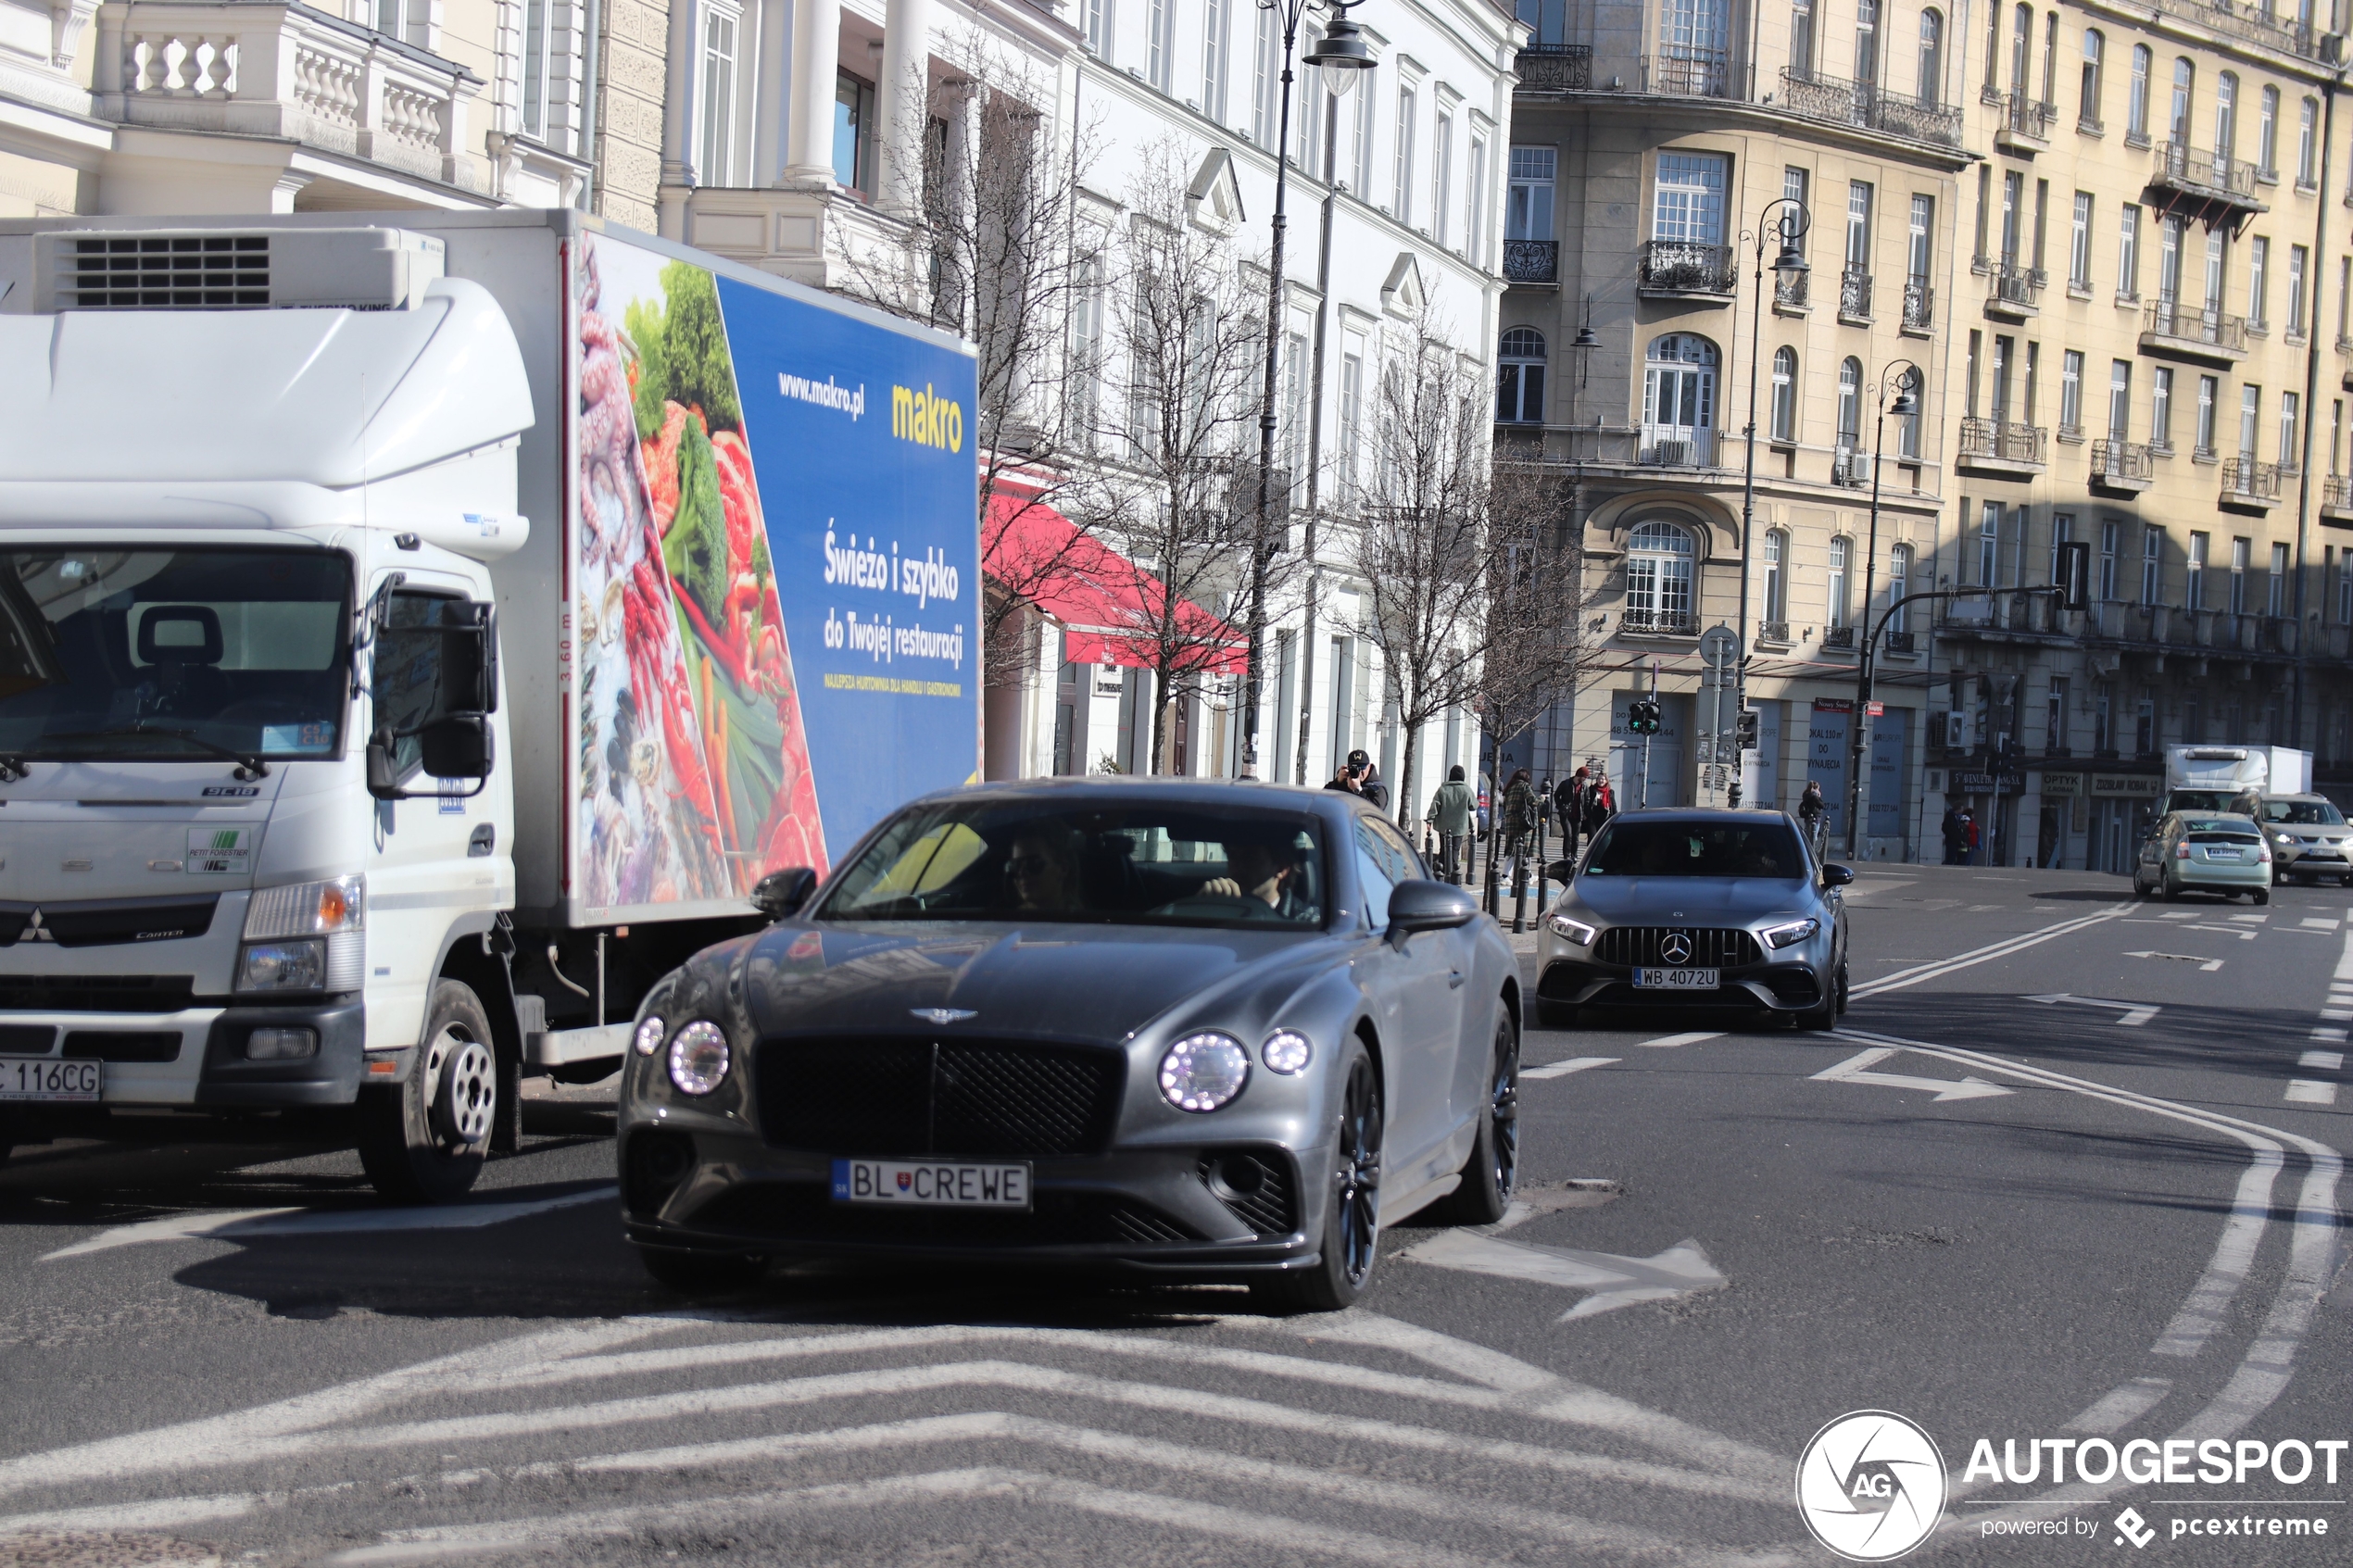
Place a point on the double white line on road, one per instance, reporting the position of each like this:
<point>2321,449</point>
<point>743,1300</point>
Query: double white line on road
<point>2002,949</point>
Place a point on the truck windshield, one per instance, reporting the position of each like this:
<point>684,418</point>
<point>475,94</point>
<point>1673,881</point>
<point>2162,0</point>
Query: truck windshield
<point>148,655</point>
<point>1110,863</point>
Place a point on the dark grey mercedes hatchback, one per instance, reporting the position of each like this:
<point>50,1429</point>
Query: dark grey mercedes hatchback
<point>1183,1029</point>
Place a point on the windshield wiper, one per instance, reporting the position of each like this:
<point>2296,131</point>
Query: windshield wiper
<point>250,763</point>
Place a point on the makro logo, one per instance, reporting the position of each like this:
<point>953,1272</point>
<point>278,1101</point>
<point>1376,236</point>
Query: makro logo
<point>1870,1485</point>
<point>926,419</point>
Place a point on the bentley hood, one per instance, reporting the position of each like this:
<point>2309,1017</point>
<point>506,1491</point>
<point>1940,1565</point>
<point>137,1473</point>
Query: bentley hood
<point>1092,982</point>
<point>1697,900</point>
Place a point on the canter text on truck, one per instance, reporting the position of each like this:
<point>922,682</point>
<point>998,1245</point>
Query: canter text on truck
<point>926,419</point>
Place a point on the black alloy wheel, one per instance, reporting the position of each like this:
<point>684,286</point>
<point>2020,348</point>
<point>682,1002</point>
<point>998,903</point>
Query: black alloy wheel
<point>1491,1172</point>
<point>1352,1217</point>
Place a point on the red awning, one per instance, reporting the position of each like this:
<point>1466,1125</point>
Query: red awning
<point>1109,607</point>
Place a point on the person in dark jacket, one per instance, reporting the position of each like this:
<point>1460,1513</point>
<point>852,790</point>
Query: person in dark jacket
<point>1368,779</point>
<point>1568,806</point>
<point>1955,836</point>
<point>1812,812</point>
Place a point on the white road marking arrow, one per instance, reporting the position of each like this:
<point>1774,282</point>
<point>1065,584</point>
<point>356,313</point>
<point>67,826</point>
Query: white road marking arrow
<point>2209,965</point>
<point>2136,1013</point>
<point>1561,1069</point>
<point>1851,1071</point>
<point>2240,932</point>
<point>1614,1281</point>
<point>238,1225</point>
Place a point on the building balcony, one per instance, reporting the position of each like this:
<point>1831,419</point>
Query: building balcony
<point>2179,330</point>
<point>2249,486</point>
<point>1859,102</point>
<point>1556,68</point>
<point>2001,448</point>
<point>1535,263</point>
<point>2026,124</point>
<point>2121,468</point>
<point>1838,639</point>
<point>289,74</point>
<point>1773,632</point>
<point>1919,306</point>
<point>1676,447</point>
<point>2259,24</point>
<point>2211,185</point>
<point>2337,500</point>
<point>1854,295</point>
<point>1680,267</point>
<point>1903,645</point>
<point>1689,73</point>
<point>825,237</point>
<point>2015,292</point>
<point>1643,622</point>
<point>1791,293</point>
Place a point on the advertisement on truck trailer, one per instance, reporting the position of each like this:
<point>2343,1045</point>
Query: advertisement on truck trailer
<point>778,600</point>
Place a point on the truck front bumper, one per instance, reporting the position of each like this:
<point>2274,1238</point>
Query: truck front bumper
<point>205,1065</point>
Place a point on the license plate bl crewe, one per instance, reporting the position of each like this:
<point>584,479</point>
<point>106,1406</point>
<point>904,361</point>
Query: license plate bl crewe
<point>49,1078</point>
<point>1678,979</point>
<point>932,1184</point>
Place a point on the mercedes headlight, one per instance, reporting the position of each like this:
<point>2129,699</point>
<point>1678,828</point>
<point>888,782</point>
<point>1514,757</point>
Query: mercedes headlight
<point>1791,934</point>
<point>1575,931</point>
<point>307,937</point>
<point>1204,1071</point>
<point>698,1058</point>
<point>1286,1051</point>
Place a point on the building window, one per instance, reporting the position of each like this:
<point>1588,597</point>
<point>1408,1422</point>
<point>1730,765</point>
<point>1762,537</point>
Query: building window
<point>2275,585</point>
<point>1351,416</point>
<point>2055,716</point>
<point>1160,22</point>
<point>1519,398</point>
<point>2088,106</point>
<point>1867,42</point>
<point>1679,395</point>
<point>1441,174</point>
<point>1528,209</point>
<point>2194,581</point>
<point>2136,103</point>
<point>1801,40</point>
<point>2079,249</point>
<point>2267,132</point>
<point>2161,408</point>
<point>1932,76</point>
<point>1899,577</point>
<point>1777,580</point>
<point>1907,427</point>
<point>2241,550</point>
<point>722,29</point>
<point>2259,274</point>
<point>2177,121</point>
<point>2120,399</point>
<point>537,50</point>
<point>2307,144</point>
<point>2291,416</point>
<point>1475,220</point>
<point>1794,185</point>
<point>2128,254</point>
<point>1098,19</point>
<point>1689,202</point>
<point>1402,196</point>
<point>2152,564</point>
<point>1658,577</point>
<point>1217,19</point>
<point>1858,226</point>
<point>2250,411</point>
<point>1784,394</point>
<point>2072,393</point>
<point>1838,611</point>
<point>2208,392</point>
<point>1850,404</point>
<point>2109,531</point>
<point>2226,114</point>
<point>854,139</point>
<point>2299,260</point>
<point>1267,65</point>
<point>1989,545</point>
<point>2063,530</point>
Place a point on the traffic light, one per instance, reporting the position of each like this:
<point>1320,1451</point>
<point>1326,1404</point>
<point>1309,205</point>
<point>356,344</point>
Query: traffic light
<point>1641,717</point>
<point>2075,573</point>
<point>1745,729</point>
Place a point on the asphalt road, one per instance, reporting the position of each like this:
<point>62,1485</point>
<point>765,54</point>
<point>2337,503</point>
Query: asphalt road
<point>2069,1175</point>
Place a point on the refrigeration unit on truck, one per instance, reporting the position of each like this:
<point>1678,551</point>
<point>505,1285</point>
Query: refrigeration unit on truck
<point>2208,778</point>
<point>421,632</point>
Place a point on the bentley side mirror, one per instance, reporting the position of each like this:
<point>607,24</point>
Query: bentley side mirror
<point>1417,905</point>
<point>780,894</point>
<point>1837,876</point>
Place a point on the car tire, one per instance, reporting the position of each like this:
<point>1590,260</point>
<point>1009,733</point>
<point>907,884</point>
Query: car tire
<point>2262,895</point>
<point>1822,1017</point>
<point>1352,1212</point>
<point>1844,988</point>
<point>702,1274</point>
<point>1491,1172</point>
<point>1554,1015</point>
<point>2172,893</point>
<point>424,1140</point>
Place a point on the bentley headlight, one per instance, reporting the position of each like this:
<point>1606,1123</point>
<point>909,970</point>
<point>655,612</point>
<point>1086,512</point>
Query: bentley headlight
<point>649,1036</point>
<point>1204,1071</point>
<point>1575,931</point>
<point>1793,933</point>
<point>698,1058</point>
<point>1286,1051</point>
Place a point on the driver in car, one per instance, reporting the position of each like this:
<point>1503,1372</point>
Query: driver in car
<point>1262,872</point>
<point>1042,872</point>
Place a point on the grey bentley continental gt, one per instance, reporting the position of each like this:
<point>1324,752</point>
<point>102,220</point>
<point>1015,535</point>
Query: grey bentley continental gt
<point>1188,1030</point>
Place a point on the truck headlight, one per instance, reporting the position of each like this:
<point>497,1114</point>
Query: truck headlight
<point>698,1058</point>
<point>305,936</point>
<point>1204,1071</point>
<point>1788,935</point>
<point>1575,931</point>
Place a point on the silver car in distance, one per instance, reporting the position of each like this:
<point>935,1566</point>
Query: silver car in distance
<point>1183,1030</point>
<point>1695,910</point>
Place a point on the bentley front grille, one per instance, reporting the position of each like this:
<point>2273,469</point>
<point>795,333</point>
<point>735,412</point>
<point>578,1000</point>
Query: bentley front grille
<point>973,1098</point>
<point>1700,946</point>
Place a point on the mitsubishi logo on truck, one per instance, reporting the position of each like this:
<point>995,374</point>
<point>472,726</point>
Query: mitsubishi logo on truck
<point>36,932</point>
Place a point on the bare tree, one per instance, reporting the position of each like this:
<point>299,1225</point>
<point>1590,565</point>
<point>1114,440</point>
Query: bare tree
<point>1171,486</point>
<point>994,253</point>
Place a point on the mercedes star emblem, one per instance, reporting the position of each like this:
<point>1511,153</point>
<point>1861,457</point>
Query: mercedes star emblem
<point>1677,949</point>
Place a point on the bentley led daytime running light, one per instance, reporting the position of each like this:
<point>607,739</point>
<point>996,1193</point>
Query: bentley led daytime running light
<point>1204,1071</point>
<point>1286,1051</point>
<point>1791,933</point>
<point>649,1036</point>
<point>1577,931</point>
<point>698,1058</point>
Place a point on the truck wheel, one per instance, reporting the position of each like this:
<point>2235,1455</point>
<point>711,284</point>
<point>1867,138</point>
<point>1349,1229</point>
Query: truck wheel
<point>423,1141</point>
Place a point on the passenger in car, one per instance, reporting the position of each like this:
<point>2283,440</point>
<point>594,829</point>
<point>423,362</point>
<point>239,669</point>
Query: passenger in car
<point>1042,872</point>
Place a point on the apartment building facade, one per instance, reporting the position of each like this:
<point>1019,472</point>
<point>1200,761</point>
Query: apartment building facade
<point>2150,359</point>
<point>1659,147</point>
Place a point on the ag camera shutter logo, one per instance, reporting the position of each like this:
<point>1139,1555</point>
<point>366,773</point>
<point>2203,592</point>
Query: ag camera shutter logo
<point>1870,1485</point>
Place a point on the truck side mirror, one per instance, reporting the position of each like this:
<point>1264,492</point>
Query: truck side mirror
<point>382,782</point>
<point>780,894</point>
<point>457,747</point>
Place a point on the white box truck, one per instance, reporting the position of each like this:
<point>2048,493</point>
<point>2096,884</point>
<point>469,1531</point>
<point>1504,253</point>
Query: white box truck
<point>418,632</point>
<point>2208,778</point>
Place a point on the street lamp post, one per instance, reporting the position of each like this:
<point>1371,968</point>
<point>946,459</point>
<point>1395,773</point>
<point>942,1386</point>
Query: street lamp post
<point>1905,405</point>
<point>1343,48</point>
<point>1790,263</point>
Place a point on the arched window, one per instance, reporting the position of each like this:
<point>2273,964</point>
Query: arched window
<point>1658,578</point>
<point>2087,106</point>
<point>1838,611</point>
<point>1850,403</point>
<point>1867,42</point>
<point>1784,394</point>
<point>1899,574</point>
<point>2136,106</point>
<point>1520,378</point>
<point>2306,123</point>
<point>2177,124</point>
<point>1907,428</point>
<point>2267,131</point>
<point>1777,582</point>
<point>2226,114</point>
<point>1678,401</point>
<point>1931,56</point>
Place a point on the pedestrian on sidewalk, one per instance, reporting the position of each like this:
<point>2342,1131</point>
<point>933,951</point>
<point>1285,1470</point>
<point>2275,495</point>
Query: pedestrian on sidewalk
<point>1812,811</point>
<point>1955,836</point>
<point>1568,804</point>
<point>1452,809</point>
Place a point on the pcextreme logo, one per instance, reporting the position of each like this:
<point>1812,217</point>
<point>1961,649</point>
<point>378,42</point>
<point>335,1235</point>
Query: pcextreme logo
<point>926,419</point>
<point>1870,1485</point>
